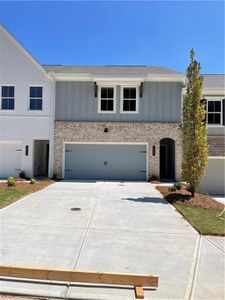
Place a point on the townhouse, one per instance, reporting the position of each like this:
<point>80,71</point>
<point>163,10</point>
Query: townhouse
<point>93,123</point>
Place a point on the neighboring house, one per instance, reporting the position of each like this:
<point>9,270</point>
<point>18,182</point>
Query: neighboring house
<point>26,111</point>
<point>214,93</point>
<point>117,122</point>
<point>111,122</point>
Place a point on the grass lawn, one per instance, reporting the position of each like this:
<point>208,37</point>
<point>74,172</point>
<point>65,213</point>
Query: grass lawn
<point>8,195</point>
<point>201,211</point>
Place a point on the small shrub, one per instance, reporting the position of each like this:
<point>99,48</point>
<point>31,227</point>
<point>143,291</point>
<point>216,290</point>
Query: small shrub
<point>11,181</point>
<point>178,185</point>
<point>54,177</point>
<point>154,177</point>
<point>22,174</point>
<point>32,181</point>
<point>204,193</point>
<point>172,188</point>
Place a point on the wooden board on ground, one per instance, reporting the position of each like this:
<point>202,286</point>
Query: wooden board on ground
<point>136,280</point>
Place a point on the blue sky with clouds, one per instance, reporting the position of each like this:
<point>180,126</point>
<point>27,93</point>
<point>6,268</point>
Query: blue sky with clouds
<point>120,32</point>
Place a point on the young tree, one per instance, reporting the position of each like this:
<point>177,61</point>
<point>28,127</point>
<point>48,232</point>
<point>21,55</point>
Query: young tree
<point>194,129</point>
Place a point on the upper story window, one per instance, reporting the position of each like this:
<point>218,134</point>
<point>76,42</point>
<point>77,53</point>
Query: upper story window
<point>36,94</point>
<point>106,100</point>
<point>214,112</point>
<point>8,97</point>
<point>129,99</point>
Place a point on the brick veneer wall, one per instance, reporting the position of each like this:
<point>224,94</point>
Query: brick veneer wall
<point>216,145</point>
<point>151,133</point>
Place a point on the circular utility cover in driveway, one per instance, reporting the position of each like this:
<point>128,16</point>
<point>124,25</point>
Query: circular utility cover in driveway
<point>75,209</point>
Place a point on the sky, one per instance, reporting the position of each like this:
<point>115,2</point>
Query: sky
<point>155,33</point>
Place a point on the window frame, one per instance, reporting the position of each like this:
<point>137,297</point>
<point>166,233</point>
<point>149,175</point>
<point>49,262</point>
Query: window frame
<point>100,99</point>
<point>6,85</point>
<point>221,112</point>
<point>35,85</point>
<point>122,99</point>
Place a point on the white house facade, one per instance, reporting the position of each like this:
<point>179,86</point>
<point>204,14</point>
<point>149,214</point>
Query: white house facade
<point>26,111</point>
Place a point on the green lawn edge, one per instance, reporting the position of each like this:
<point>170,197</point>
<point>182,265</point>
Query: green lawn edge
<point>8,197</point>
<point>205,221</point>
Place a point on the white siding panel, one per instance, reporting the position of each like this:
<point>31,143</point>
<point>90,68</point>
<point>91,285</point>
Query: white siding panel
<point>214,181</point>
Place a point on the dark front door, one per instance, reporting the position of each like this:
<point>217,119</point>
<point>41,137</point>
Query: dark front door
<point>163,162</point>
<point>167,159</point>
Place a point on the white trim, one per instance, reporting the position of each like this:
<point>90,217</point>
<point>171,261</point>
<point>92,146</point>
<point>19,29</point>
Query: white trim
<point>8,110</point>
<point>99,99</point>
<point>28,102</point>
<point>221,112</point>
<point>214,92</point>
<point>115,79</point>
<point>122,99</point>
<point>216,157</point>
<point>115,82</point>
<point>105,143</point>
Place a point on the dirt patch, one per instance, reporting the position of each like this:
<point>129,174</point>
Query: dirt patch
<point>184,197</point>
<point>23,185</point>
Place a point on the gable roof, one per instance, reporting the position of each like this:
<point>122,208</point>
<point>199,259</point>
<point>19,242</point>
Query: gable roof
<point>24,50</point>
<point>214,81</point>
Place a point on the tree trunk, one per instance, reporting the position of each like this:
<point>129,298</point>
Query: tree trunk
<point>192,190</point>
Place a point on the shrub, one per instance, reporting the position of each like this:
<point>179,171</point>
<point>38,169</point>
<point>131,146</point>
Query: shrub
<point>54,177</point>
<point>172,188</point>
<point>178,185</point>
<point>22,174</point>
<point>11,181</point>
<point>32,181</point>
<point>154,177</point>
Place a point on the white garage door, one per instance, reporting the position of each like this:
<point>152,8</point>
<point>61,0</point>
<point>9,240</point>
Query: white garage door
<point>214,181</point>
<point>10,159</point>
<point>105,161</point>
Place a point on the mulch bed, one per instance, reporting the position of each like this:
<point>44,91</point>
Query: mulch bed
<point>23,185</point>
<point>184,197</point>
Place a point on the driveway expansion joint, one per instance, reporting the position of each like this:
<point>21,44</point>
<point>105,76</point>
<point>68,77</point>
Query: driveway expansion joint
<point>75,264</point>
<point>214,244</point>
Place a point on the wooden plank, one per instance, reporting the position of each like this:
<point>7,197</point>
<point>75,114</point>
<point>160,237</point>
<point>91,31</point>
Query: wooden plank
<point>139,292</point>
<point>79,276</point>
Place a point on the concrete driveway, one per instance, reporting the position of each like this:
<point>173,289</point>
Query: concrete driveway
<point>121,227</point>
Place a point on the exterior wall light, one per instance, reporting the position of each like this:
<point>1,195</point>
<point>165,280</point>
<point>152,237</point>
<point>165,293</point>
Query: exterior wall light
<point>141,90</point>
<point>26,150</point>
<point>106,130</point>
<point>153,150</point>
<point>96,89</point>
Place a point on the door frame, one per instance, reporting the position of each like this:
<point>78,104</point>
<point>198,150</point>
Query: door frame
<point>105,143</point>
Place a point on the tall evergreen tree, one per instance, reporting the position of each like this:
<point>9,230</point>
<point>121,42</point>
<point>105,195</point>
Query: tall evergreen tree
<point>194,129</point>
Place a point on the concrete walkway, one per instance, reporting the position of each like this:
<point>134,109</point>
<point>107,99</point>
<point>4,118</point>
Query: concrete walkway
<point>121,227</point>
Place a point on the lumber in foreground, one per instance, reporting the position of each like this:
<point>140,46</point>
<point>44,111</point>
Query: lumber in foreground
<point>137,280</point>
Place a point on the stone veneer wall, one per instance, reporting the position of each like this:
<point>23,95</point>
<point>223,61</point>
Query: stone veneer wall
<point>216,145</point>
<point>124,132</point>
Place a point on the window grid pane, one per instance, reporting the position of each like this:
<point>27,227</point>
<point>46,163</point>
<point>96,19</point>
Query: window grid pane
<point>8,101</point>
<point>36,97</point>
<point>107,99</point>
<point>214,112</point>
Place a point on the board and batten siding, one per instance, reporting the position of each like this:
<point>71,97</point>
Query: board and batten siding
<point>216,131</point>
<point>161,102</point>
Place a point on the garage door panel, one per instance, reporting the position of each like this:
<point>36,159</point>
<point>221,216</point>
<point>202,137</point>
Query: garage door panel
<point>115,162</point>
<point>10,159</point>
